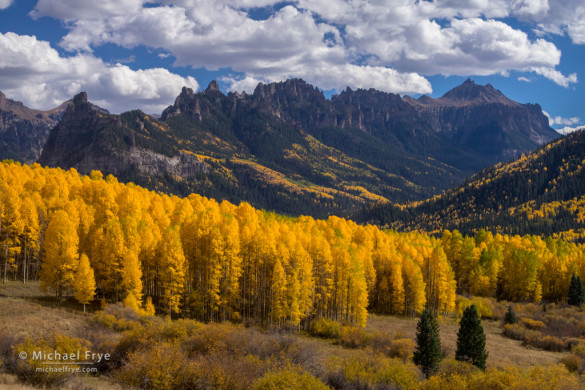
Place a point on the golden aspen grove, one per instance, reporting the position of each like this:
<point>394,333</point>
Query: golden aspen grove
<point>193,257</point>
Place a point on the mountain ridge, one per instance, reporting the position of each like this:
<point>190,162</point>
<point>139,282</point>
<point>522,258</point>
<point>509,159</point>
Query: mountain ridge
<point>288,148</point>
<point>24,131</point>
<point>540,193</point>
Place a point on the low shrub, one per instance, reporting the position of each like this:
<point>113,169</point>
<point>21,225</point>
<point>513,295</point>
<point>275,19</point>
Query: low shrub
<point>452,367</point>
<point>532,324</point>
<point>35,371</point>
<point>572,362</point>
<point>579,350</point>
<point>289,379</point>
<point>325,328</point>
<point>401,348</point>
<point>394,347</point>
<point>373,372</point>
<point>354,337</point>
<point>549,343</point>
<point>451,375</point>
<point>161,367</point>
<point>515,331</point>
<point>541,378</point>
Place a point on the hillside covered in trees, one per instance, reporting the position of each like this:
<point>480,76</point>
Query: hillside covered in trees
<point>540,193</point>
<point>287,148</point>
<point>197,258</point>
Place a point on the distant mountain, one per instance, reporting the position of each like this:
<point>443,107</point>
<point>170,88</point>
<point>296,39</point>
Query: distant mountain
<point>540,193</point>
<point>287,148</point>
<point>24,131</point>
<point>89,138</point>
<point>482,120</point>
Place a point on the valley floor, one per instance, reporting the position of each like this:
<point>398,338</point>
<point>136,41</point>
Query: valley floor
<point>26,312</point>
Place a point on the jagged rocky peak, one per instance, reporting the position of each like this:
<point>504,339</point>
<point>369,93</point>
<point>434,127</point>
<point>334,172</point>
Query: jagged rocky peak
<point>212,87</point>
<point>80,105</point>
<point>80,98</point>
<point>186,92</point>
<point>194,104</point>
<point>470,92</point>
<point>296,88</point>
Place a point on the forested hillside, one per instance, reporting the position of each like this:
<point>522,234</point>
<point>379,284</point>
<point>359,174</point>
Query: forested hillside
<point>198,258</point>
<point>287,148</point>
<point>540,193</point>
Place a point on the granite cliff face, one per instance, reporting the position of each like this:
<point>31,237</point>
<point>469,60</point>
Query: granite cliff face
<point>24,131</point>
<point>88,138</point>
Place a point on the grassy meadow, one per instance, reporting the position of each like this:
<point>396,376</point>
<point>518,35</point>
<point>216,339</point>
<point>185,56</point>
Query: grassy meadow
<point>156,353</point>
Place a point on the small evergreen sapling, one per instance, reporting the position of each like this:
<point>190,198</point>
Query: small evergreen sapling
<point>428,344</point>
<point>510,317</point>
<point>576,292</point>
<point>471,339</point>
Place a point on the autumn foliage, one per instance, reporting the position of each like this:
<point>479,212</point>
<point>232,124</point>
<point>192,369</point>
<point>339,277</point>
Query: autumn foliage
<point>213,261</point>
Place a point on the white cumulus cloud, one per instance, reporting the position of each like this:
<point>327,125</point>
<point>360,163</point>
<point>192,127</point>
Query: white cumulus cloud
<point>567,129</point>
<point>560,121</point>
<point>5,3</point>
<point>33,72</point>
<point>389,45</point>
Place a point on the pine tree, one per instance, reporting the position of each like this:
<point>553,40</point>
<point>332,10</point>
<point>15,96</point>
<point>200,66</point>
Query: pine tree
<point>428,343</point>
<point>471,339</point>
<point>510,317</point>
<point>576,292</point>
<point>84,281</point>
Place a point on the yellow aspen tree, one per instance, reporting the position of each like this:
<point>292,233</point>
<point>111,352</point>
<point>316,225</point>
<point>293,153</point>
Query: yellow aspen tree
<point>396,284</point>
<point>214,269</point>
<point>278,293</point>
<point>249,225</point>
<point>109,250</point>
<point>232,266</point>
<point>320,252</point>
<point>293,295</point>
<point>171,270</point>
<point>84,283</point>
<point>342,267</point>
<point>30,237</point>
<point>150,236</point>
<point>441,285</point>
<point>183,210</point>
<point>60,256</point>
<point>132,276</point>
<point>303,264</point>
<point>12,227</point>
<point>414,287</point>
<point>131,302</point>
<point>149,307</point>
<point>467,266</point>
<point>358,290</point>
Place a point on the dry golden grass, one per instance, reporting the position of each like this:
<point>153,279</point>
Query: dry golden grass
<point>19,317</point>
<point>502,350</point>
<point>14,288</point>
<point>11,382</point>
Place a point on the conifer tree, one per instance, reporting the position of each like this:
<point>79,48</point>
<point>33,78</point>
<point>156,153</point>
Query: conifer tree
<point>428,343</point>
<point>471,339</point>
<point>510,317</point>
<point>576,292</point>
<point>84,282</point>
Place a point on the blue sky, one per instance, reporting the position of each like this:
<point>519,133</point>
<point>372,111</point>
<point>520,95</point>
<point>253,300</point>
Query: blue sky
<point>131,54</point>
